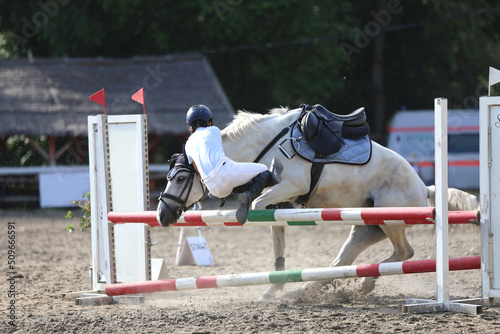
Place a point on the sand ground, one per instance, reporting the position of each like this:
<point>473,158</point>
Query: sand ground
<point>50,261</point>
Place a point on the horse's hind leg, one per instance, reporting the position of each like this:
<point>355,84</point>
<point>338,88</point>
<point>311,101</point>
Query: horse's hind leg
<point>396,233</point>
<point>402,251</point>
<point>360,238</point>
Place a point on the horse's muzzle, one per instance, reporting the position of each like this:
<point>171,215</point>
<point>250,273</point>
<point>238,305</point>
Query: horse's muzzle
<point>167,216</point>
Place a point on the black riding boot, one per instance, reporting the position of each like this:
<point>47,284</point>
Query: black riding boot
<point>246,198</point>
<point>261,181</point>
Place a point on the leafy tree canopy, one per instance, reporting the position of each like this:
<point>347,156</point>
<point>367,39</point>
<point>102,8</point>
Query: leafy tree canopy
<point>282,52</point>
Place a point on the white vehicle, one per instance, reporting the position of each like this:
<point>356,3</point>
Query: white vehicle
<point>411,134</point>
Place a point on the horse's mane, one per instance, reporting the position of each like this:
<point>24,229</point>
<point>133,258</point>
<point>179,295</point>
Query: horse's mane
<point>245,119</point>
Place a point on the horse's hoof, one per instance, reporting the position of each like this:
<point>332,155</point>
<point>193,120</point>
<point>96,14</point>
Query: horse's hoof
<point>367,285</point>
<point>292,294</point>
<point>267,297</point>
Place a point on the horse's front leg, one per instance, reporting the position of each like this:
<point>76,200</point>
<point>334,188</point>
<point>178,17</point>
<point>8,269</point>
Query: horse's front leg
<point>278,233</point>
<point>282,193</point>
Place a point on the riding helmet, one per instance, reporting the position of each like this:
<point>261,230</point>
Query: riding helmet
<point>197,112</point>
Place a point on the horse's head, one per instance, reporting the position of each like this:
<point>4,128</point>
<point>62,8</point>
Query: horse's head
<point>183,189</point>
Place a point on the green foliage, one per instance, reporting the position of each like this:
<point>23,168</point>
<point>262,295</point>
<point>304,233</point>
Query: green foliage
<point>19,149</point>
<point>85,219</point>
<point>20,152</point>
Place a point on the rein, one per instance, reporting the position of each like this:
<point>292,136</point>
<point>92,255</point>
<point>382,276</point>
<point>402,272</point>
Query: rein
<point>266,149</point>
<point>316,168</point>
<point>273,142</point>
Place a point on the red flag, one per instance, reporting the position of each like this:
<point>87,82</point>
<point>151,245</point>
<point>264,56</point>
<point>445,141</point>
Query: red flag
<point>99,98</point>
<point>139,97</point>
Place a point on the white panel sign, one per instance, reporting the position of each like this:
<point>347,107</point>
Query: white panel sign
<point>195,251</point>
<point>59,189</point>
<point>128,193</point>
<point>490,195</point>
<point>495,192</point>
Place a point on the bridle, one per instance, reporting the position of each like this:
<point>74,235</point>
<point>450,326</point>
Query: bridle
<point>178,164</point>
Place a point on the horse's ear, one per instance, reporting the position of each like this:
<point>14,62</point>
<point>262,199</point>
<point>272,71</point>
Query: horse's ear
<point>173,159</point>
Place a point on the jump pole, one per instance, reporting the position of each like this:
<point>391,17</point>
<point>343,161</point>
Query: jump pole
<point>288,276</point>
<point>302,217</point>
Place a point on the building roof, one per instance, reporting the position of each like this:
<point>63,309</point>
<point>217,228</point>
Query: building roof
<point>51,96</point>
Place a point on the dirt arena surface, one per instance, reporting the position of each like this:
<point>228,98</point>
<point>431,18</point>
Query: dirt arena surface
<point>50,261</point>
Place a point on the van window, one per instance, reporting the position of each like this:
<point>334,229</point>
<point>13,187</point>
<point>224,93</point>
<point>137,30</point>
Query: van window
<point>415,145</point>
<point>463,143</point>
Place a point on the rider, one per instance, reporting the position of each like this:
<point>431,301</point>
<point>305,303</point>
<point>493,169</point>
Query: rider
<point>219,173</point>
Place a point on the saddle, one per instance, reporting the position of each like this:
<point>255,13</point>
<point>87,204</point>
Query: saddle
<point>322,137</point>
<point>325,131</point>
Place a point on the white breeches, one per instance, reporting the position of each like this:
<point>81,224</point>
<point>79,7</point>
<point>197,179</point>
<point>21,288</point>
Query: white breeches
<point>229,174</point>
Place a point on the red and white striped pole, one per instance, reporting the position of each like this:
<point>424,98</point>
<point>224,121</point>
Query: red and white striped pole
<point>295,217</point>
<point>287,276</point>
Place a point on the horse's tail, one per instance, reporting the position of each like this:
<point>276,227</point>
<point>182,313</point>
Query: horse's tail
<point>458,200</point>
